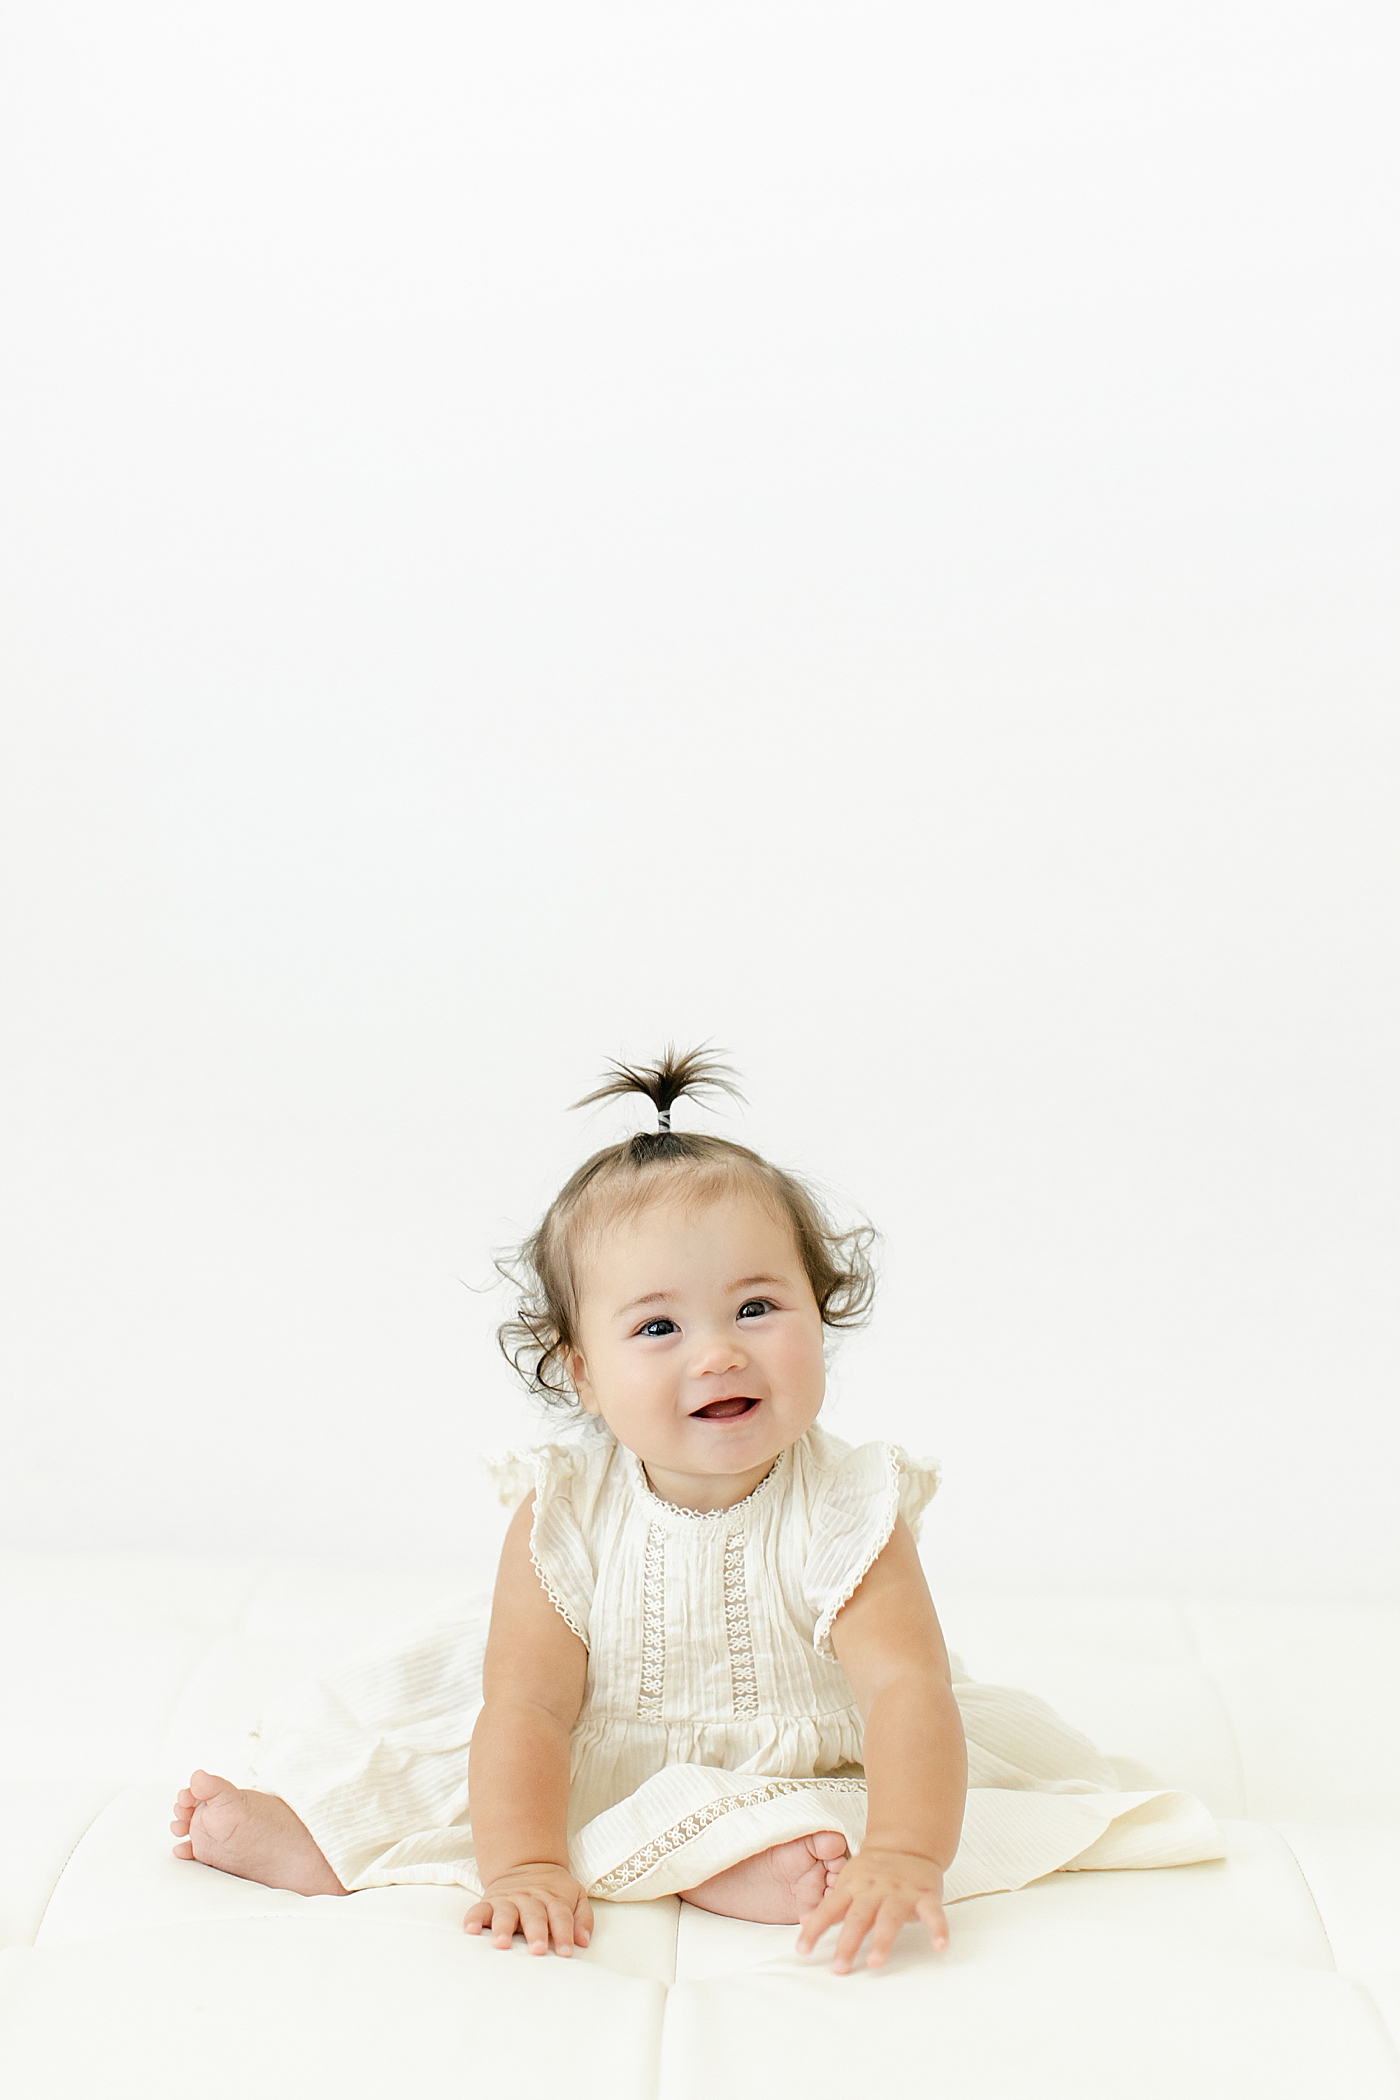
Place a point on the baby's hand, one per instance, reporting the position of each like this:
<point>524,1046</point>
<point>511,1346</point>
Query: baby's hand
<point>876,1893</point>
<point>537,1900</point>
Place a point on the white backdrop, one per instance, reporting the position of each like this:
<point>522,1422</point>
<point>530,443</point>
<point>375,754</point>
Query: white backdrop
<point>863,532</point>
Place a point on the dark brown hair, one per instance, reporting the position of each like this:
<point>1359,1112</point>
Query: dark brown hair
<point>622,1179</point>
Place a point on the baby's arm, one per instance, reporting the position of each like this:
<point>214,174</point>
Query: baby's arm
<point>889,1643</point>
<point>536,1669</point>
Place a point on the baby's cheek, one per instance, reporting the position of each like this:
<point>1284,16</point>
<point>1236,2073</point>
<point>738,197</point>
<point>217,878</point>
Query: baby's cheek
<point>802,1367</point>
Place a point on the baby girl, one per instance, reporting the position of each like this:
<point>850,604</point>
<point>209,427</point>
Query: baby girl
<point>713,1667</point>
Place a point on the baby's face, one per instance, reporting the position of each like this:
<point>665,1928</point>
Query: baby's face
<point>700,1339</point>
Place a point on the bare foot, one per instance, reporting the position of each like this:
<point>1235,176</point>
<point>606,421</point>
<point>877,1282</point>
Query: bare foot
<point>776,1887</point>
<point>255,1835</point>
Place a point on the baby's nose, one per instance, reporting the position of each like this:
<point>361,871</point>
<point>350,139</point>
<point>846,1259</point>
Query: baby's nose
<point>717,1354</point>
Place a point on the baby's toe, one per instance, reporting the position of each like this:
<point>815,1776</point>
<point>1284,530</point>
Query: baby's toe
<point>809,1888</point>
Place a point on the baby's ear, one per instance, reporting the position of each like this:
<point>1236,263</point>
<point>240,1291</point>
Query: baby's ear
<point>580,1381</point>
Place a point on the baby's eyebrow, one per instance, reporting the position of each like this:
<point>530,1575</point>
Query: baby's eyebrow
<point>741,1283</point>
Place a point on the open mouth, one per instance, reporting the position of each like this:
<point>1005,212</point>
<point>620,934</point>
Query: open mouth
<point>725,1410</point>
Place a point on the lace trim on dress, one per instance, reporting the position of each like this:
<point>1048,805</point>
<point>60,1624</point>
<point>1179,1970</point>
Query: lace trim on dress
<point>508,1474</point>
<point>742,1669</point>
<point>821,1633</point>
<point>706,1516</point>
<point>641,1862</point>
<point>649,1697</point>
<point>553,1595</point>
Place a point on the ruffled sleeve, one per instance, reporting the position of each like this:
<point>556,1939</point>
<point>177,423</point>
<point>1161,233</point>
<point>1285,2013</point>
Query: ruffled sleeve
<point>563,1482</point>
<point>853,1520</point>
<point>512,1475</point>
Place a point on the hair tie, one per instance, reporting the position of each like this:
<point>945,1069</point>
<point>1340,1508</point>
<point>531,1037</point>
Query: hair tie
<point>663,1119</point>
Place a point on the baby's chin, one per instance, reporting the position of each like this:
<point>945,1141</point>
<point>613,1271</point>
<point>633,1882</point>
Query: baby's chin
<point>735,1439</point>
<point>718,1438</point>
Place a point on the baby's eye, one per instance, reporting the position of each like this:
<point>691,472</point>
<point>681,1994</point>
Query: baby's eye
<point>752,1307</point>
<point>658,1327</point>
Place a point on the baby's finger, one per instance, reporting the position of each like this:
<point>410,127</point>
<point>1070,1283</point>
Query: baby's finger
<point>933,1915</point>
<point>859,1919</point>
<point>561,1924</point>
<point>534,1923</point>
<point>185,1851</point>
<point>832,1908</point>
<point>504,1919</point>
<point>891,1916</point>
<point>583,1922</point>
<point>477,1918</point>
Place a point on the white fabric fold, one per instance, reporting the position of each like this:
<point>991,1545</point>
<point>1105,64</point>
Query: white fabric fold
<point>691,1822</point>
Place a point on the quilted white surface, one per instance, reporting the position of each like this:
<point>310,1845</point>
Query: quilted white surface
<point>295,2007</point>
<point>1274,1971</point>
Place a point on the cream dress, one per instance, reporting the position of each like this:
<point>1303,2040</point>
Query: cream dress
<point>716,1720</point>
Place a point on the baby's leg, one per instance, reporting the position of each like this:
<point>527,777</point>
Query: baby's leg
<point>776,1887</point>
<point>255,1835</point>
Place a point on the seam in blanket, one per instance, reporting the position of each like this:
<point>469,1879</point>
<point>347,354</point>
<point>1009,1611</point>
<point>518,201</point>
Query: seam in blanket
<point>1193,1640</point>
<point>1387,2036</point>
<point>1317,1908</point>
<point>90,1824</point>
